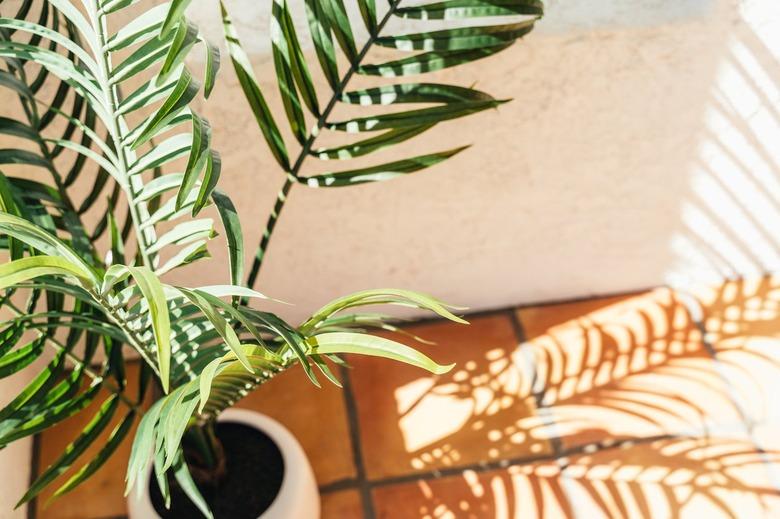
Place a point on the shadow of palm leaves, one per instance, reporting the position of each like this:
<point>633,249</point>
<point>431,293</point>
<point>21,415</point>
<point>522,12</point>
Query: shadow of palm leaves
<point>742,322</point>
<point>639,363</point>
<point>633,370</point>
<point>664,478</point>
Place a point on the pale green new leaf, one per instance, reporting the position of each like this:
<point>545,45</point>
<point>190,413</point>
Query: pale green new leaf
<point>362,344</point>
<point>206,303</point>
<point>33,267</point>
<point>235,238</point>
<point>153,293</point>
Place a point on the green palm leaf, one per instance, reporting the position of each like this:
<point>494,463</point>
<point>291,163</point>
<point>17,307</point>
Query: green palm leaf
<point>330,28</point>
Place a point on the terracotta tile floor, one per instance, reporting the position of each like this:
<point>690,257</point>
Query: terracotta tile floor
<point>657,404</point>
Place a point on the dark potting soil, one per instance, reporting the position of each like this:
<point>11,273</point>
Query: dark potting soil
<point>255,470</point>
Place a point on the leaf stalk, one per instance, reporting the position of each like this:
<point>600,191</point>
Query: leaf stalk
<point>294,174</point>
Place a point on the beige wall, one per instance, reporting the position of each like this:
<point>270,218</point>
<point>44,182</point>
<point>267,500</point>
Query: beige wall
<point>14,459</point>
<point>640,149</point>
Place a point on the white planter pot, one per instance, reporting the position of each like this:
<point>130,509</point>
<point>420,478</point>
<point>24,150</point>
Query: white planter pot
<point>298,497</point>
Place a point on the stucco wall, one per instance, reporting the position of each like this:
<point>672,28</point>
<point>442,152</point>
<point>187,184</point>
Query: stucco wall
<point>638,151</point>
<point>14,459</point>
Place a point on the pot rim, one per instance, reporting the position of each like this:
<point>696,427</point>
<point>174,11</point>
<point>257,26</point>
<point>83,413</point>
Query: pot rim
<point>297,476</point>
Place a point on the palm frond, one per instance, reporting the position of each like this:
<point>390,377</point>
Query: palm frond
<point>330,29</point>
<point>126,136</point>
<point>261,346</point>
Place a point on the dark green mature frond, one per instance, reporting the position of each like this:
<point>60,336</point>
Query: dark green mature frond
<point>330,29</point>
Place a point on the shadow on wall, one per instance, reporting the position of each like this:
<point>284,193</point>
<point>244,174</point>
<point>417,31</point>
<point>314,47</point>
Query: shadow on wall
<point>615,408</point>
<point>732,219</point>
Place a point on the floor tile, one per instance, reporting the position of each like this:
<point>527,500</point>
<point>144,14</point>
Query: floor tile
<point>344,504</point>
<point>684,478</point>
<point>533,491</point>
<point>767,438</point>
<point>742,323</point>
<point>538,319</point>
<point>103,494</point>
<point>626,367</point>
<point>411,421</point>
<point>316,417</point>
<point>741,308</point>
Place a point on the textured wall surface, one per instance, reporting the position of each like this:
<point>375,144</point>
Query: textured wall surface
<point>14,459</point>
<point>638,150</point>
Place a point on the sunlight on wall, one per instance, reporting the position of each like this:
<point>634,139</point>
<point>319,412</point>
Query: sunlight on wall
<point>733,216</point>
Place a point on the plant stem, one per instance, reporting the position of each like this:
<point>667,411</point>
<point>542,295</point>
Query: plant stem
<point>293,175</point>
<point>203,440</point>
<point>281,198</point>
<point>138,210</point>
<point>206,458</point>
<point>133,338</point>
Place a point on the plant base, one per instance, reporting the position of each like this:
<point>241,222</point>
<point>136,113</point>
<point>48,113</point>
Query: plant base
<point>268,476</point>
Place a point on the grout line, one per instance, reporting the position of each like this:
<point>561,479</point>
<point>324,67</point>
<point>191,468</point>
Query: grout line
<point>357,448</point>
<point>488,466</point>
<point>541,408</point>
<point>445,472</point>
<point>501,310</point>
<point>338,485</point>
<point>35,461</point>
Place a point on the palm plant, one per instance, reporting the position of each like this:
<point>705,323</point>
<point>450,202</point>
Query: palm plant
<point>107,105</point>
